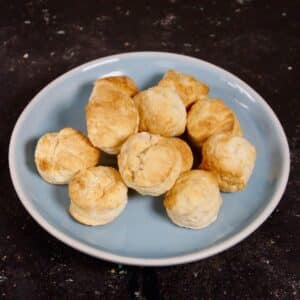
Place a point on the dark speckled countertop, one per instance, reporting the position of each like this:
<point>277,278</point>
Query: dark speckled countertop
<point>258,41</point>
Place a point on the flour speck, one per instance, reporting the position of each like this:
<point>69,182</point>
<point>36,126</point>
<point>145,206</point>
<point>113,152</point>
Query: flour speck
<point>46,15</point>
<point>168,20</point>
<point>137,294</point>
<point>3,278</point>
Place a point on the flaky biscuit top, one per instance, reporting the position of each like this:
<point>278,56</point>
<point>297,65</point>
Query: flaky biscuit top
<point>208,117</point>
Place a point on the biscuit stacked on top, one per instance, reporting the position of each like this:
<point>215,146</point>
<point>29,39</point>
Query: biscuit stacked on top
<point>142,128</point>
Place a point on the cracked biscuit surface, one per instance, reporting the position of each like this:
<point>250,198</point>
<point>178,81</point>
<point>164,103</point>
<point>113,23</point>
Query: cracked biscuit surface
<point>121,83</point>
<point>59,155</point>
<point>161,111</point>
<point>148,164</point>
<point>185,151</point>
<point>111,115</point>
<point>195,200</point>
<point>98,195</point>
<point>188,87</point>
<point>230,158</point>
<point>210,116</point>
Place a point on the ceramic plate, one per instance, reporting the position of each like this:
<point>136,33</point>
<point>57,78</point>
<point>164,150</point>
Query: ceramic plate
<point>143,234</point>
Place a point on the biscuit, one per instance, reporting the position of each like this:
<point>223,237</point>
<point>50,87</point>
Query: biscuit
<point>148,164</point>
<point>59,155</point>
<point>111,117</point>
<point>230,158</point>
<point>195,200</point>
<point>188,87</point>
<point>98,195</point>
<point>210,116</point>
<point>185,152</point>
<point>161,111</point>
<point>121,83</point>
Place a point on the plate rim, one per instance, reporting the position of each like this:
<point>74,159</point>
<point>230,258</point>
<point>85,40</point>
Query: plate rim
<point>139,261</point>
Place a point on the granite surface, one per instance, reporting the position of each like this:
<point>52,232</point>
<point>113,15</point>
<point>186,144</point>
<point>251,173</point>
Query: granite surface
<point>258,41</point>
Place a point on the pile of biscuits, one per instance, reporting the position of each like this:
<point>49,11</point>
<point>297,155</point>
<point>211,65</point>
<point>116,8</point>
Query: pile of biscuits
<point>142,129</point>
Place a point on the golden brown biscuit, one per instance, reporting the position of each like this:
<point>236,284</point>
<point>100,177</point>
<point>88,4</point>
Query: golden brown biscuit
<point>59,155</point>
<point>185,152</point>
<point>188,87</point>
<point>210,116</point>
<point>161,111</point>
<point>148,164</point>
<point>111,117</point>
<point>121,83</point>
<point>98,195</point>
<point>195,200</point>
<point>230,158</point>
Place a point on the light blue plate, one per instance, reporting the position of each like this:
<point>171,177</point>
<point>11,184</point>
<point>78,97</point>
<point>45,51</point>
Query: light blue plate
<point>143,234</point>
